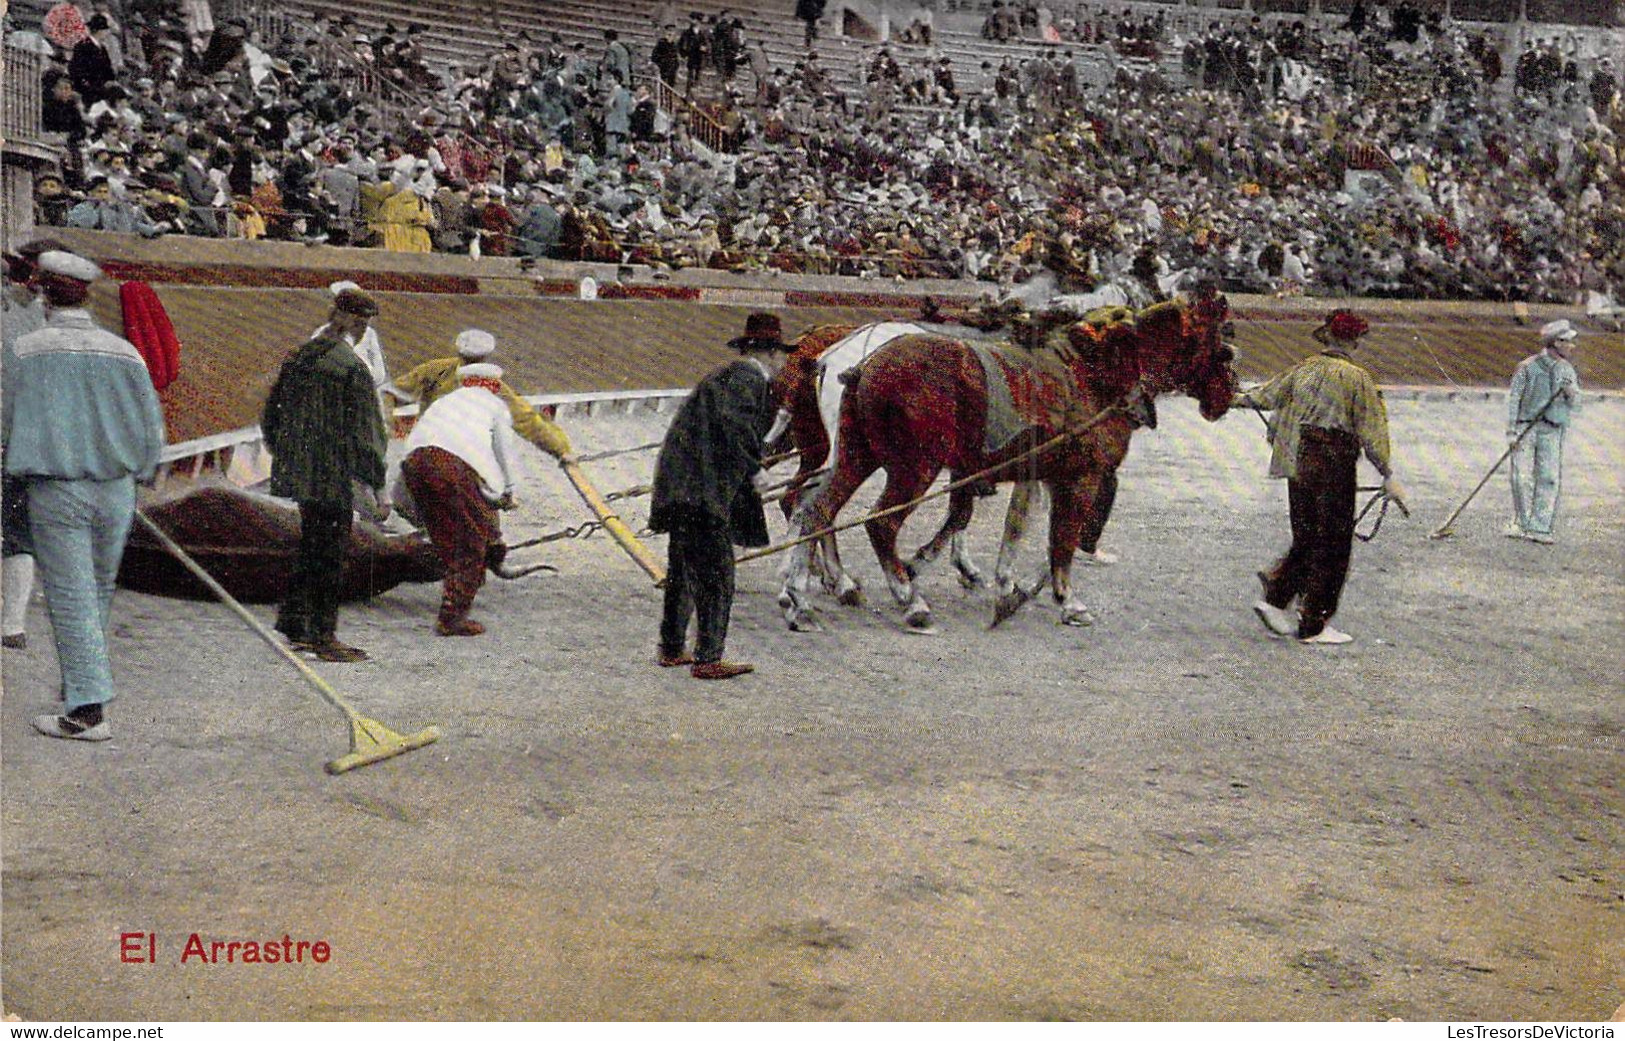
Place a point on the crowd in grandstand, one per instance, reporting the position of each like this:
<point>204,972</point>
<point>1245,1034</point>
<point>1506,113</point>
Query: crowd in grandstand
<point>1381,158</point>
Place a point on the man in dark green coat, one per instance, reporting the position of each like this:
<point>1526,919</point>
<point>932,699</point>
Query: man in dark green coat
<point>323,428</point>
<point>706,496</point>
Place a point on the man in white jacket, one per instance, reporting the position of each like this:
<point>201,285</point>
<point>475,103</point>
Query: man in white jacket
<point>371,352</point>
<point>459,468</point>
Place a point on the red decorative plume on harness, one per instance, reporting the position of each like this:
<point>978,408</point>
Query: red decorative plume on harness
<point>492,385</point>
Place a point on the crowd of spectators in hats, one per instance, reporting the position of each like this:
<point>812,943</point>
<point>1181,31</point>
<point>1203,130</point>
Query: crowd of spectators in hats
<point>1461,192</point>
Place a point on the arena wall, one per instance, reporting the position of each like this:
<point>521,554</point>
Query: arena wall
<point>239,308</point>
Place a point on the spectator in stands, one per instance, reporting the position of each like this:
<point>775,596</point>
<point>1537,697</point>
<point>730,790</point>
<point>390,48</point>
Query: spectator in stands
<point>539,226</point>
<point>810,12</point>
<point>727,44</point>
<point>616,62</point>
<point>100,211</point>
<point>665,57</point>
<point>91,67</point>
<point>493,222</point>
<point>695,46</point>
<point>404,216</point>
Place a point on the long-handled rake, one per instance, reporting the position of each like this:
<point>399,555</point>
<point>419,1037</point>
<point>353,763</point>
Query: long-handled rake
<point>370,740</point>
<point>1443,531</point>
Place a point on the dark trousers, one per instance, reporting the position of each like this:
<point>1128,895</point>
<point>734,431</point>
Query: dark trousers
<point>310,612</point>
<point>699,582</point>
<point>1321,499</point>
<point>18,538</point>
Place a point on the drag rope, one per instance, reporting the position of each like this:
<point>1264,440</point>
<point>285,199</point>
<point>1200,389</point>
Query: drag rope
<point>612,453</point>
<point>1377,526</point>
<point>952,486</point>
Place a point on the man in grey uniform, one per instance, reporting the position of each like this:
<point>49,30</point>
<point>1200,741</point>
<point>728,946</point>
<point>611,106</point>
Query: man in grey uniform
<point>1545,391</point>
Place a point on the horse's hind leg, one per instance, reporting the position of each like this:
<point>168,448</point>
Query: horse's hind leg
<point>961,503</point>
<point>902,487</point>
<point>837,580</point>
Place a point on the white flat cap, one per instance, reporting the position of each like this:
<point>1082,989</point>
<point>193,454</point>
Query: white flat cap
<point>475,343</point>
<point>338,287</point>
<point>480,370</point>
<point>69,265</point>
<point>1552,332</point>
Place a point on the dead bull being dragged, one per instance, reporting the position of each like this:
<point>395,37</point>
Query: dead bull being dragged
<point>923,404</point>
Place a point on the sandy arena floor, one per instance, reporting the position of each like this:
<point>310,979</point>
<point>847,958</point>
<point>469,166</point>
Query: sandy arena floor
<point>1165,816</point>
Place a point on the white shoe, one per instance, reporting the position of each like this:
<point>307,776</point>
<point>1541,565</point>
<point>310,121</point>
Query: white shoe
<point>71,729</point>
<point>1328,635</point>
<point>1540,537</point>
<point>1275,619</point>
<point>1514,531</point>
<point>1100,558</point>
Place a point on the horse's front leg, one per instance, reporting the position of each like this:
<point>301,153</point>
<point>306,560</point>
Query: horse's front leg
<point>1068,504</point>
<point>1011,594</point>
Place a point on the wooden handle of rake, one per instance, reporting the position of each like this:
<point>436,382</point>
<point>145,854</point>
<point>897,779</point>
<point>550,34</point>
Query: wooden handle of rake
<point>1444,529</point>
<point>613,524</point>
<point>260,629</point>
<point>952,486</point>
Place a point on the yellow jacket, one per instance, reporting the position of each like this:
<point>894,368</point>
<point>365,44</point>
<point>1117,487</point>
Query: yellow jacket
<point>435,379</point>
<point>405,219</point>
<point>1327,390</point>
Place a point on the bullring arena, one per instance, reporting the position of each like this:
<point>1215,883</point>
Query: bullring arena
<point>1162,816</point>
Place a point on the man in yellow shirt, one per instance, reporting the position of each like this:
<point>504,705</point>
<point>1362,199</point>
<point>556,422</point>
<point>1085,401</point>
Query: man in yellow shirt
<point>1327,410</point>
<point>435,379</point>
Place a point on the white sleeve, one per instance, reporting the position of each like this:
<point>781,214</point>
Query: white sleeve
<point>506,444</point>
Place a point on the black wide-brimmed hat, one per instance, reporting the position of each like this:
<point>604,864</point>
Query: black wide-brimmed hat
<point>762,333</point>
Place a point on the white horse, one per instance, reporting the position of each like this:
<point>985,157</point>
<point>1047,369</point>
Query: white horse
<point>842,357</point>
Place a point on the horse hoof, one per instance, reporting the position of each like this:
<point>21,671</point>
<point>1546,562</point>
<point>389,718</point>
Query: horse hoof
<point>802,623</point>
<point>1079,617</point>
<point>1007,605</point>
<point>851,598</point>
<point>975,580</point>
<point>785,600</point>
<point>919,618</point>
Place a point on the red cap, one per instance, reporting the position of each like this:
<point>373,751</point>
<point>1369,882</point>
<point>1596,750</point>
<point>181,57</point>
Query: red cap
<point>1345,325</point>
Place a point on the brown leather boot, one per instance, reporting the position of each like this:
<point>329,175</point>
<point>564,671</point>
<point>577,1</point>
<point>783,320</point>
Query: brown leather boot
<point>458,627</point>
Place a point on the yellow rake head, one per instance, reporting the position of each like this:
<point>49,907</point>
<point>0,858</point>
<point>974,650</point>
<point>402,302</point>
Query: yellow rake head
<point>372,742</point>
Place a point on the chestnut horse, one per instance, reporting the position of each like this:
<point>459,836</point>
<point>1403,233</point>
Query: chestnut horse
<point>921,405</point>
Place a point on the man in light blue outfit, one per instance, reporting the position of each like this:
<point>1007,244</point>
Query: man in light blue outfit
<point>21,312</point>
<point>82,424</point>
<point>1545,391</point>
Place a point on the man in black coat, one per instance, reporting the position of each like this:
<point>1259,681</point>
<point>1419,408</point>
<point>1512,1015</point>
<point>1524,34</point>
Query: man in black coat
<point>322,425</point>
<point>810,11</point>
<point>666,57</point>
<point>706,496</point>
<point>695,46</point>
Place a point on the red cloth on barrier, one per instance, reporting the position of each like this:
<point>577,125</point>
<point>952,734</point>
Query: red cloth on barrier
<point>147,325</point>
